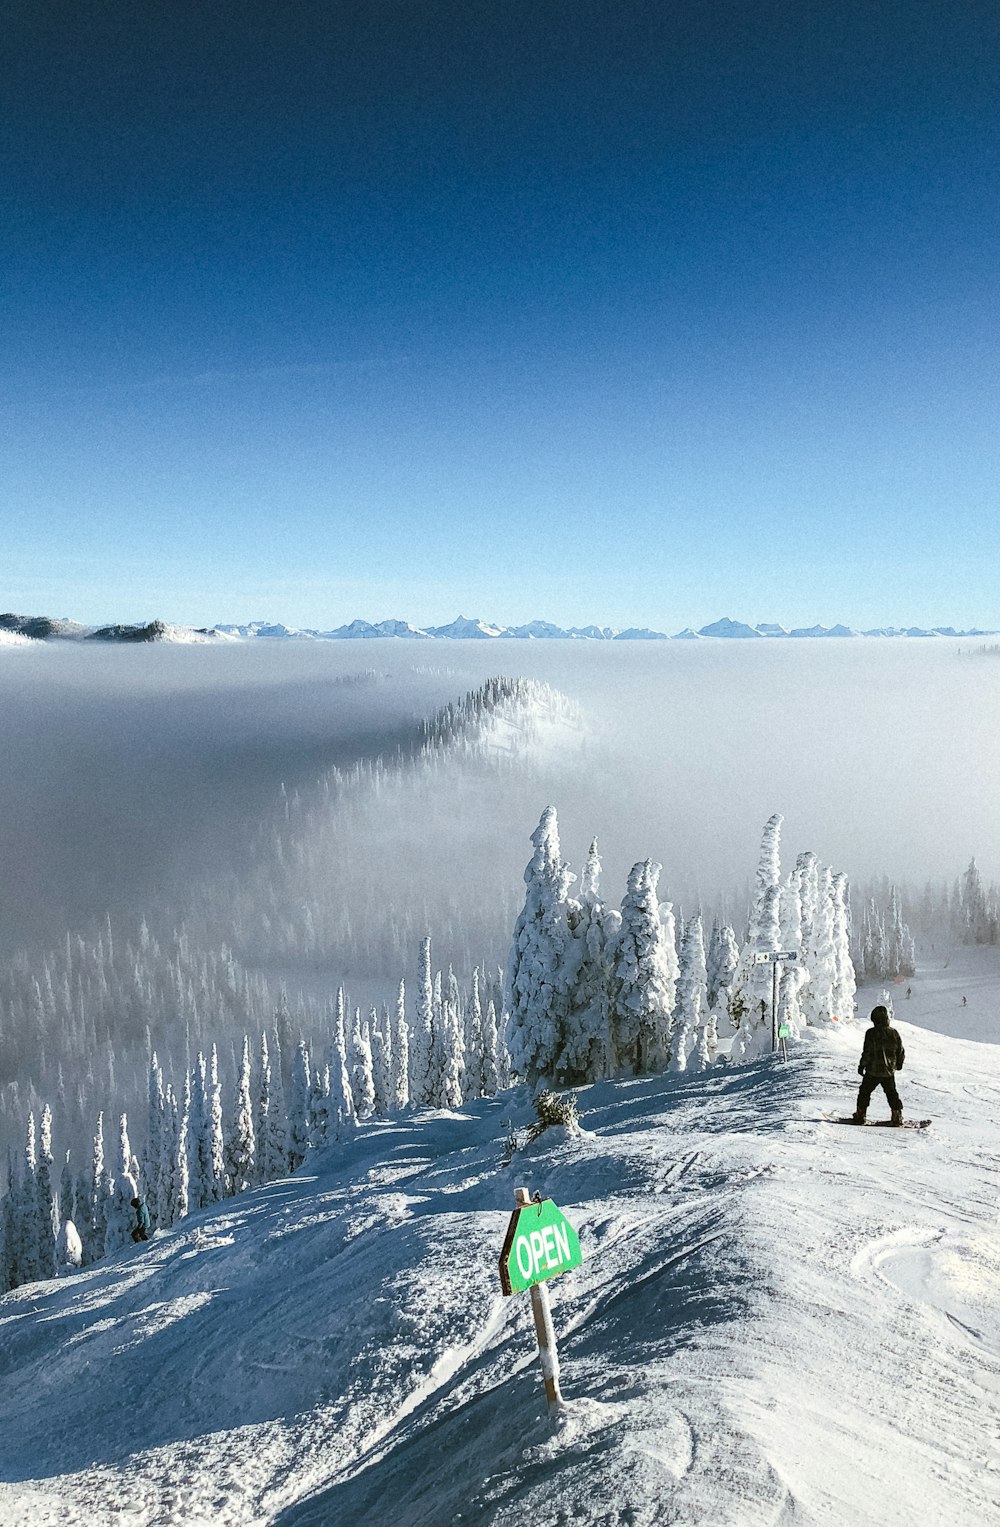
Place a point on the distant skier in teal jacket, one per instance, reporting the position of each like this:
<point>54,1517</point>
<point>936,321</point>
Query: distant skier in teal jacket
<point>883,1055</point>
<point>143,1224</point>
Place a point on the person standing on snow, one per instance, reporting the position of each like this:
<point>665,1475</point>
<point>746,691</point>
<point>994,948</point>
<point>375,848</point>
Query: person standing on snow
<point>143,1224</point>
<point>881,1058</point>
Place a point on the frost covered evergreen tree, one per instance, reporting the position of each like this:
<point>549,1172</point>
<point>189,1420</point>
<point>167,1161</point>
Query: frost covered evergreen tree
<point>750,1003</point>
<point>449,1047</point>
<point>297,1138</point>
<point>28,1222</point>
<point>978,913</point>
<point>319,1106</point>
<point>844,984</point>
<point>342,1116</point>
<point>538,994</point>
<point>48,1217</point>
<point>401,1053</point>
<point>586,1052</point>
<point>199,1139</point>
<point>181,1184</point>
<point>169,1147</point>
<point>274,1162</point>
<point>422,1046</point>
<point>475,1045</point>
<point>123,1188</point>
<point>643,978</point>
<point>216,1132</point>
<point>381,1066</point>
<point>362,1082</point>
<point>67,1192</point>
<point>693,1043</point>
<point>243,1151</point>
<point>819,997</point>
<point>154,1142</point>
<point>97,1221</point>
<point>492,1083</point>
<point>68,1248</point>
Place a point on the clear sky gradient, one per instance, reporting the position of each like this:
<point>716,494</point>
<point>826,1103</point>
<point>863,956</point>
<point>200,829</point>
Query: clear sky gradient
<point>642,313</point>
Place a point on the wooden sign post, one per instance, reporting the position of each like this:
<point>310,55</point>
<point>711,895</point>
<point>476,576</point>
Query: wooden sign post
<point>775,957</point>
<point>540,1243</point>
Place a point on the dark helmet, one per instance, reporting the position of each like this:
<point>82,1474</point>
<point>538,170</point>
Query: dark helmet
<point>880,1015</point>
<point>136,1202</point>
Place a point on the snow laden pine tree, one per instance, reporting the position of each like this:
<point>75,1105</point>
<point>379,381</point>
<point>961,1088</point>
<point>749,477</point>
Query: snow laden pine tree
<point>400,1053</point>
<point>297,1138</point>
<point>586,1052</point>
<point>750,1004</point>
<point>422,1039</point>
<point>694,1040</point>
<point>243,1148</point>
<point>643,978</point>
<point>48,1214</point>
<point>362,1081</point>
<point>120,1215</point>
<point>341,1113</point>
<point>537,994</point>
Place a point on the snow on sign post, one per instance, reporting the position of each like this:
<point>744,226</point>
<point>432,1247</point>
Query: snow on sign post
<point>540,1243</point>
<point>774,958</point>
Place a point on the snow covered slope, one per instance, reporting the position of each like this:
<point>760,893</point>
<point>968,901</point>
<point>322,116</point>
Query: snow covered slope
<point>778,1320</point>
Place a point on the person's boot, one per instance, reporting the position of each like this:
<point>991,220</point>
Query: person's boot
<point>858,1118</point>
<point>897,1118</point>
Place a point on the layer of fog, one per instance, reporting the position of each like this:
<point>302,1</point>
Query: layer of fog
<point>124,771</point>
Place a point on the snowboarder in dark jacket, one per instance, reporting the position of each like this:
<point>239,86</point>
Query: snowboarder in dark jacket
<point>881,1058</point>
<point>143,1224</point>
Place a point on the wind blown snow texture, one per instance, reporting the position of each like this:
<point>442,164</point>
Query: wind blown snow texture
<point>777,1319</point>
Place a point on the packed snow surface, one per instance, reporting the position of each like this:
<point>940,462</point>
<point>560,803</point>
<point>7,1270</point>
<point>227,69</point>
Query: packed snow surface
<point>778,1320</point>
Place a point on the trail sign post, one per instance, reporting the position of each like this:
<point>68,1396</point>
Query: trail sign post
<point>540,1243</point>
<point>774,958</point>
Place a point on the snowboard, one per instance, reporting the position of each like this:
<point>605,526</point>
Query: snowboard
<point>883,1123</point>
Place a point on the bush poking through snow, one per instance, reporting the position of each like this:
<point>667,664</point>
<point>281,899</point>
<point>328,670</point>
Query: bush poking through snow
<point>554,1111</point>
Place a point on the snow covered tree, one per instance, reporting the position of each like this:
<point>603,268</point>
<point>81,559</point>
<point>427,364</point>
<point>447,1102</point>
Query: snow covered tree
<point>67,1192</point>
<point>166,1167</point>
<point>123,1188</point>
<point>537,994</point>
<point>97,1222</point>
<point>422,1038</point>
<point>243,1149</point>
<point>818,999</point>
<point>400,1053</point>
<point>491,1052</point>
<point>693,1040</point>
<point>68,1248</point>
<point>180,1191</point>
<point>750,1001</point>
<point>362,1082</point>
<point>297,1139</point>
<point>154,1141</point>
<point>28,1223</point>
<point>586,1051</point>
<point>271,1116</point>
<point>449,1046</point>
<point>48,1217</point>
<point>844,984</point>
<point>643,978</point>
<point>342,1119</point>
<point>381,1066</point>
<point>216,1132</point>
<point>475,1055</point>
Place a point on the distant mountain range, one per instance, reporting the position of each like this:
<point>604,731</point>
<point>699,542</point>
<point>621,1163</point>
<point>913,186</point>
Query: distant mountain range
<point>46,628</point>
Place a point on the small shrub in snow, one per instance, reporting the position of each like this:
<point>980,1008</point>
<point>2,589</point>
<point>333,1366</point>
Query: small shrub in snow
<point>551,1110</point>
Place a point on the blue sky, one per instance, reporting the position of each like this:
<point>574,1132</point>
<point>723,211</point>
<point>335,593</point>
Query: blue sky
<point>638,313</point>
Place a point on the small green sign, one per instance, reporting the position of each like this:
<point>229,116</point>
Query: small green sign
<point>540,1243</point>
<point>784,1032</point>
